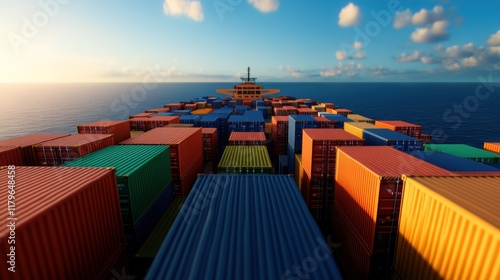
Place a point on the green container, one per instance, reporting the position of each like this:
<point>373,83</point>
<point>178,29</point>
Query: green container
<point>465,151</point>
<point>159,233</point>
<point>142,173</point>
<point>245,160</point>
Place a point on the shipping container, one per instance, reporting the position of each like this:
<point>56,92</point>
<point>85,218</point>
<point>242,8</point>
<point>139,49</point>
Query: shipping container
<point>184,183</point>
<point>453,163</point>
<point>318,194</point>
<point>339,111</point>
<point>181,112</point>
<point>307,111</point>
<point>324,122</point>
<point>141,115</point>
<point>240,109</point>
<point>492,146</point>
<point>26,144</point>
<point>318,150</point>
<point>68,224</point>
<point>319,108</point>
<point>328,105</point>
<point>280,112</point>
<point>210,143</point>
<point>298,174</point>
<point>136,133</point>
<point>146,124</point>
<point>190,106</point>
<point>247,138</point>
<point>174,106</point>
<point>202,111</point>
<point>386,137</point>
<point>186,146</point>
<point>139,123</point>
<point>412,130</point>
<point>280,134</point>
<point>339,119</point>
<point>291,110</point>
<point>449,228</point>
<point>360,118</point>
<point>62,150</point>
<point>245,160</point>
<point>283,164</point>
<point>166,114</point>
<point>426,138</point>
<point>224,232</point>
<point>295,125</point>
<point>368,189</point>
<point>356,128</point>
<point>156,111</point>
<point>465,151</point>
<point>10,156</point>
<point>190,119</point>
<point>119,129</point>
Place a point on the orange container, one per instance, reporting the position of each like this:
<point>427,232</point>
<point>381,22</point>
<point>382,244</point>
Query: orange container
<point>307,111</point>
<point>156,111</point>
<point>119,129</point>
<point>62,150</point>
<point>318,150</point>
<point>139,123</point>
<point>10,156</point>
<point>360,118</point>
<point>26,144</point>
<point>492,146</point>
<point>141,115</point>
<point>162,121</point>
<point>409,129</point>
<point>174,106</point>
<point>247,138</point>
<point>68,223</point>
<point>325,123</point>
<point>368,189</point>
<point>185,145</point>
<point>339,111</point>
<point>449,228</point>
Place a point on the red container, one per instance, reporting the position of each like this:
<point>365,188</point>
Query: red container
<point>247,138</point>
<point>26,144</point>
<point>174,106</point>
<point>247,102</point>
<point>68,226</point>
<point>325,123</point>
<point>291,110</point>
<point>139,123</point>
<point>10,156</point>
<point>183,185</point>
<point>280,112</point>
<point>210,143</point>
<point>156,111</point>
<point>279,128</point>
<point>185,145</point>
<point>329,105</point>
<point>119,129</point>
<point>307,111</point>
<point>318,150</point>
<point>62,150</point>
<point>162,121</point>
<point>191,107</point>
<point>276,104</point>
<point>409,129</point>
<point>368,189</point>
<point>426,138</point>
<point>303,106</point>
<point>141,115</point>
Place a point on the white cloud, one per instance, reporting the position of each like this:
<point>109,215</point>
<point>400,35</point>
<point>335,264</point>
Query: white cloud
<point>189,8</point>
<point>359,55</point>
<point>349,70</point>
<point>349,15</point>
<point>453,51</point>
<point>340,55</point>
<point>495,50</point>
<point>402,19</point>
<point>291,71</point>
<point>469,47</point>
<point>494,39</point>
<point>437,32</point>
<point>470,61</point>
<point>265,6</point>
<point>415,56</point>
<point>439,48</point>
<point>427,59</point>
<point>427,17</point>
<point>357,45</point>
<point>451,65</point>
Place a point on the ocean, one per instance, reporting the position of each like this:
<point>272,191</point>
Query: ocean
<point>466,113</point>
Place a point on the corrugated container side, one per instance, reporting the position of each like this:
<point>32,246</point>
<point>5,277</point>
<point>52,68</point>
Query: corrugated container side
<point>66,149</point>
<point>492,146</point>
<point>68,223</point>
<point>360,118</point>
<point>440,212</point>
<point>386,137</point>
<point>183,186</point>
<point>10,156</point>
<point>247,138</point>
<point>156,111</point>
<point>120,129</point>
<point>245,160</point>
<point>141,115</point>
<point>26,143</point>
<point>453,163</point>
<point>283,164</point>
<point>406,128</point>
<point>299,170</point>
<point>357,128</point>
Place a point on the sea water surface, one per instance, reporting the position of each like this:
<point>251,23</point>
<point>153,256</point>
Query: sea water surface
<point>466,113</point>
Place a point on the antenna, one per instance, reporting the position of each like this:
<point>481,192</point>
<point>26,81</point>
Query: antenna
<point>248,79</point>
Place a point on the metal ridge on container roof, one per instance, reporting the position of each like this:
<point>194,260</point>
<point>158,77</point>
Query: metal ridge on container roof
<point>104,123</point>
<point>462,150</point>
<point>328,134</point>
<point>75,140</point>
<point>31,139</point>
<point>452,162</point>
<point>245,156</point>
<point>247,136</point>
<point>396,123</point>
<point>163,135</point>
<point>388,134</point>
<point>248,227</point>
<point>381,161</point>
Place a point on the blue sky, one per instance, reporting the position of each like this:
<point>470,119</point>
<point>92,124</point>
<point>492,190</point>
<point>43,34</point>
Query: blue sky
<point>215,40</point>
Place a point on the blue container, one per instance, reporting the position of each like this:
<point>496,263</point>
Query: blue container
<point>217,104</point>
<point>240,109</point>
<point>283,164</point>
<point>231,104</point>
<point>338,118</point>
<point>291,159</point>
<point>386,137</point>
<point>453,163</point>
<point>295,125</point>
<point>191,119</point>
<point>164,114</point>
<point>263,110</point>
<point>239,102</point>
<point>309,103</point>
<point>244,227</point>
<point>181,112</point>
<point>209,121</point>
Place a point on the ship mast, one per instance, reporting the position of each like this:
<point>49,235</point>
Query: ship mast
<point>248,79</point>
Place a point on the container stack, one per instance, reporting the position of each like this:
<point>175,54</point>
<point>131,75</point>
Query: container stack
<point>360,118</point>
<point>280,135</point>
<point>11,156</point>
<point>455,164</point>
<point>438,213</point>
<point>190,106</point>
<point>217,104</point>
<point>325,123</point>
<point>26,143</point>
<point>318,168</point>
<point>209,139</point>
<point>245,160</point>
<point>307,111</point>
<point>295,125</point>
<point>339,111</point>
<point>61,150</point>
<point>146,124</point>
<point>412,130</point>
<point>339,119</point>
<point>141,115</point>
<point>386,137</point>
<point>191,119</point>
<point>119,129</point>
<point>465,151</point>
<point>319,108</point>
<point>156,111</point>
<point>181,112</point>
<point>290,110</point>
<point>68,224</point>
<point>186,153</point>
<point>252,121</point>
<point>202,111</point>
<point>143,183</point>
<point>247,139</point>
<point>234,236</point>
<point>241,109</point>
<point>357,128</point>
<point>174,106</point>
<point>367,198</point>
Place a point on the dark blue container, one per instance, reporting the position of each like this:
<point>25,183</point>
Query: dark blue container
<point>283,164</point>
<point>231,104</point>
<point>239,102</point>
<point>386,137</point>
<point>291,159</point>
<point>209,121</point>
<point>295,125</point>
<point>240,109</point>
<point>164,114</point>
<point>453,163</point>
<point>217,104</point>
<point>263,110</point>
<point>181,112</point>
<point>191,119</point>
<point>338,118</point>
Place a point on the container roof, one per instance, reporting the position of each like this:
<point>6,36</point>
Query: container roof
<point>245,156</point>
<point>29,140</point>
<point>387,134</point>
<point>329,134</point>
<point>247,136</point>
<point>75,140</point>
<point>104,123</point>
<point>364,125</point>
<point>397,123</point>
<point>243,227</point>
<point>302,118</point>
<point>452,163</point>
<point>164,136</point>
<point>336,117</point>
<point>462,150</point>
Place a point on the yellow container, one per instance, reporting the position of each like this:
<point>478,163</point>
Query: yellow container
<point>449,228</point>
<point>360,118</point>
<point>298,170</point>
<point>268,127</point>
<point>202,111</point>
<point>492,146</point>
<point>319,108</point>
<point>356,128</point>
